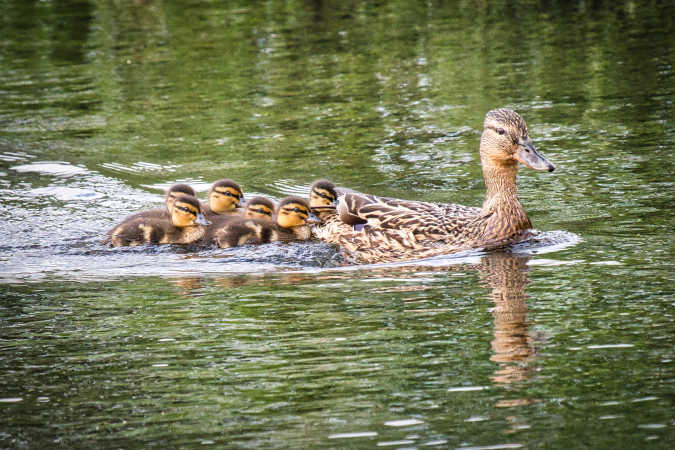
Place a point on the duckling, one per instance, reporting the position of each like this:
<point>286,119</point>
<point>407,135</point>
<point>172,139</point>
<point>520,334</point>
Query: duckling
<point>259,208</point>
<point>373,229</point>
<point>185,226</point>
<point>293,216</point>
<point>224,197</point>
<point>323,197</point>
<point>173,192</point>
<point>322,193</point>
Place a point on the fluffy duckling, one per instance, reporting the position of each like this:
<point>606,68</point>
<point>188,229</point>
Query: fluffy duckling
<point>224,198</point>
<point>185,226</point>
<point>373,229</point>
<point>323,197</point>
<point>259,208</point>
<point>293,216</point>
<point>173,192</point>
<point>322,193</point>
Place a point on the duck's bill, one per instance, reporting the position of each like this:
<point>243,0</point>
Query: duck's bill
<point>201,220</point>
<point>530,157</point>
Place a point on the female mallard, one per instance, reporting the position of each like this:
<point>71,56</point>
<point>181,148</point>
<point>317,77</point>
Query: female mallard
<point>291,224</point>
<point>373,229</point>
<point>223,199</point>
<point>185,226</point>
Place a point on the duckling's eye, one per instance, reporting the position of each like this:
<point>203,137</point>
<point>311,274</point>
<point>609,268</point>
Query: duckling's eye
<point>261,211</point>
<point>322,195</point>
<point>298,210</point>
<point>183,208</point>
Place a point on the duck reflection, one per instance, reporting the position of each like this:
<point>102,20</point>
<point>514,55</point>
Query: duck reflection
<point>505,274</point>
<point>188,286</point>
<point>513,344</point>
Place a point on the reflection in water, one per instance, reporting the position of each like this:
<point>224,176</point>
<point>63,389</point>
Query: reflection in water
<point>188,286</point>
<point>503,272</point>
<point>506,275</point>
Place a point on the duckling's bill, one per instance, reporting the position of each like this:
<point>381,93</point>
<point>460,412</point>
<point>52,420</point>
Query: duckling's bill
<point>201,220</point>
<point>312,218</point>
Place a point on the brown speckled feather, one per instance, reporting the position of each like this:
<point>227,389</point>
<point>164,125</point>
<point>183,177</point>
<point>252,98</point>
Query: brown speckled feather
<point>393,230</point>
<point>414,231</point>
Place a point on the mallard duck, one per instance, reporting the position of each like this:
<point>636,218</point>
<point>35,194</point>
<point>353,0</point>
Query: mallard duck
<point>185,226</point>
<point>173,192</point>
<point>259,208</point>
<point>291,224</point>
<point>223,199</point>
<point>373,229</point>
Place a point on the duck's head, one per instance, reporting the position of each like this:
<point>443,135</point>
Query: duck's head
<point>294,212</point>
<point>259,208</point>
<point>186,212</point>
<point>506,142</point>
<point>175,191</point>
<point>322,193</point>
<point>224,196</point>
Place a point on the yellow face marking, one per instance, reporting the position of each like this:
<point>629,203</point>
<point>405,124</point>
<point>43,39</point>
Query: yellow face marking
<point>320,197</point>
<point>292,215</point>
<point>184,214</point>
<point>258,211</point>
<point>228,191</point>
<point>223,198</point>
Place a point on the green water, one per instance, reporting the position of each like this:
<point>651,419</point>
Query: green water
<point>104,104</point>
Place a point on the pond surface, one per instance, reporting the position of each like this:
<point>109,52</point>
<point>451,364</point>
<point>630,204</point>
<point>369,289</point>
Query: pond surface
<point>567,343</point>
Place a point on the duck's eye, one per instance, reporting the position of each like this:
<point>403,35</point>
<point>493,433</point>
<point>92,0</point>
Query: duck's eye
<point>322,195</point>
<point>261,211</point>
<point>501,131</point>
<point>183,208</point>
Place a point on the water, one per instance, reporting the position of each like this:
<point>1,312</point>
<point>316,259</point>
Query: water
<point>562,343</point>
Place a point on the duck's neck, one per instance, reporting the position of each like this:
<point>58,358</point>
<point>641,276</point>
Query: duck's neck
<point>501,197</point>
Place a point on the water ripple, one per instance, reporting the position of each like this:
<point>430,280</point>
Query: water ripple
<point>60,169</point>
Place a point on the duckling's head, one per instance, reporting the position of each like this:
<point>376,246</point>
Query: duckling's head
<point>322,193</point>
<point>506,142</point>
<point>186,212</point>
<point>224,196</point>
<point>293,212</point>
<point>176,190</point>
<point>259,208</point>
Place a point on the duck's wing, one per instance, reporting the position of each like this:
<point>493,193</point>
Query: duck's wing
<point>429,221</point>
<point>353,200</point>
